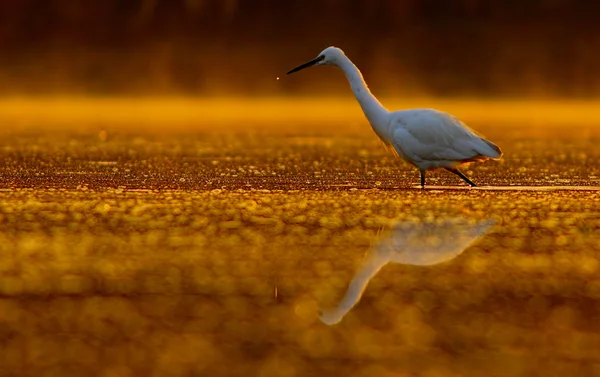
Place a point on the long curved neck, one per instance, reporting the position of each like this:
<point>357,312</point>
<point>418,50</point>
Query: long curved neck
<point>369,268</point>
<point>375,112</point>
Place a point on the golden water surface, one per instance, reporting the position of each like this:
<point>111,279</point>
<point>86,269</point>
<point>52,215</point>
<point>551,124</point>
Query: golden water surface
<point>199,238</point>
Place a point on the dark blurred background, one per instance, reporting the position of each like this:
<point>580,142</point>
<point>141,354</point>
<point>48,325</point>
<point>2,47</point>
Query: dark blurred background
<point>508,48</point>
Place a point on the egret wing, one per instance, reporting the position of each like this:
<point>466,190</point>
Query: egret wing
<point>430,135</point>
<point>432,243</point>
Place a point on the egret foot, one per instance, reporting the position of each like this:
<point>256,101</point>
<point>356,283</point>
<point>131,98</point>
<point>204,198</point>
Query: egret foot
<point>422,179</point>
<point>460,174</point>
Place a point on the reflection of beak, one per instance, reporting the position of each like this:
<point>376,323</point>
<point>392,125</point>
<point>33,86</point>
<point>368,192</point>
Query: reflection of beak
<point>307,64</point>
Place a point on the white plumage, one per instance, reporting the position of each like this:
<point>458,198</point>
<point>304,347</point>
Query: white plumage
<point>418,244</point>
<point>425,138</point>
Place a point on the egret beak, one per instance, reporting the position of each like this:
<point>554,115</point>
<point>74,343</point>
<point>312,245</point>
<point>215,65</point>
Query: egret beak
<point>307,64</point>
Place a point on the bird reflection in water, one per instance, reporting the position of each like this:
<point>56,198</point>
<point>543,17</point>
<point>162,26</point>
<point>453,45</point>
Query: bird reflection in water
<point>415,243</point>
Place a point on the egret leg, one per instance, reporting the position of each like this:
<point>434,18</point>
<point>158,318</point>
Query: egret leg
<point>422,178</point>
<point>460,174</point>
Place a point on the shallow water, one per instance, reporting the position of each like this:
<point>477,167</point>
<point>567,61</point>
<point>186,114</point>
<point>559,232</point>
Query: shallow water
<point>184,250</point>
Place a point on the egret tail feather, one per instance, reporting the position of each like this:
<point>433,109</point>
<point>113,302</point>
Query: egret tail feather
<point>493,151</point>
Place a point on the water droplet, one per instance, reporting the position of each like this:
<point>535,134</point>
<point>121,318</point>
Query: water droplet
<point>102,135</point>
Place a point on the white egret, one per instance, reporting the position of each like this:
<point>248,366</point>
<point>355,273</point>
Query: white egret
<point>426,138</point>
<point>419,244</point>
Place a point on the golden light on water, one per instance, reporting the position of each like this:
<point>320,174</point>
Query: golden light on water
<point>240,112</point>
<point>170,206</point>
<point>205,236</point>
<point>126,281</point>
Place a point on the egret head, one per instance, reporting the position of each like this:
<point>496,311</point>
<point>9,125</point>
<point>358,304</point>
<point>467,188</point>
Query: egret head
<point>329,56</point>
